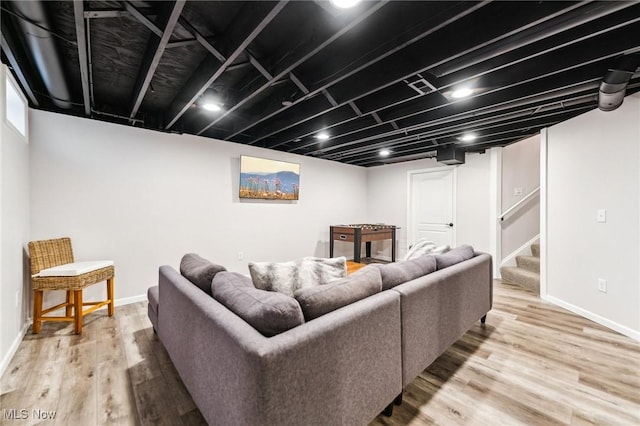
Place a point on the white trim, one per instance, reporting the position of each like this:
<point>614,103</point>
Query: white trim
<point>13,348</point>
<point>544,182</point>
<point>454,208</point>
<point>454,195</point>
<point>129,300</point>
<point>16,87</point>
<point>634,334</point>
<point>25,327</point>
<point>495,206</point>
<point>510,260</point>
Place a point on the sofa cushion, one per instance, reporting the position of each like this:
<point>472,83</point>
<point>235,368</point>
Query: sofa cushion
<point>319,300</point>
<point>199,271</point>
<point>287,277</point>
<point>401,272</point>
<point>153,295</point>
<point>268,312</point>
<point>457,255</point>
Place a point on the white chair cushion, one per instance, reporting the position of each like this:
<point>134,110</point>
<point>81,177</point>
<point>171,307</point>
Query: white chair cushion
<point>74,269</point>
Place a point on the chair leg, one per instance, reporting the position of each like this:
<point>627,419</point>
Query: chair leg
<point>78,311</point>
<point>69,307</point>
<point>110,295</point>
<point>37,311</point>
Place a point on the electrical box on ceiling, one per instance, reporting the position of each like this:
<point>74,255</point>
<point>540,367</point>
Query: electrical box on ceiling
<point>450,155</point>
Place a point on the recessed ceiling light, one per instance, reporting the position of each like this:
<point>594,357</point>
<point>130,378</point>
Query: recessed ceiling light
<point>322,136</point>
<point>384,153</point>
<point>468,137</point>
<point>344,4</point>
<point>462,92</point>
<point>211,107</point>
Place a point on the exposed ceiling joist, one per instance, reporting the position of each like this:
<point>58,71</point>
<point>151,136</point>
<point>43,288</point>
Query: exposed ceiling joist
<point>81,39</point>
<point>246,34</point>
<point>15,65</point>
<point>292,66</point>
<point>381,75</point>
<point>154,52</point>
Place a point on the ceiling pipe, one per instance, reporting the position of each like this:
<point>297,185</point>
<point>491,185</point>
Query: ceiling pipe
<point>44,51</point>
<point>615,81</point>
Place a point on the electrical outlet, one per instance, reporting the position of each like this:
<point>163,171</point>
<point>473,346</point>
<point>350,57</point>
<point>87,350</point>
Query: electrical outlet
<point>517,191</point>
<point>240,255</point>
<point>602,285</point>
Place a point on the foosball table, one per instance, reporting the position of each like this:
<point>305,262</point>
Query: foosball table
<point>363,233</point>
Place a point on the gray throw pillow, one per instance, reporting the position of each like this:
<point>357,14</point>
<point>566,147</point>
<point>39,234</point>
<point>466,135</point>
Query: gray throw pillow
<point>457,255</point>
<point>287,277</point>
<point>268,312</point>
<point>317,301</point>
<point>397,273</point>
<point>199,271</point>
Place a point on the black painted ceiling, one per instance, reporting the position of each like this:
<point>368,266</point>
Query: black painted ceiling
<point>379,75</point>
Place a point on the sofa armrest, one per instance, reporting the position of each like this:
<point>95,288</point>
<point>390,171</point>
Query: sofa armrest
<point>341,368</point>
<point>438,308</point>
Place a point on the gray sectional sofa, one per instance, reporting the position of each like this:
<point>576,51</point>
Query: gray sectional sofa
<point>342,367</point>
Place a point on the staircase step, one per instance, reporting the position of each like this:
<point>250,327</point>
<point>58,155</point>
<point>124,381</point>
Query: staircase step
<point>535,249</point>
<point>530,263</point>
<point>521,277</point>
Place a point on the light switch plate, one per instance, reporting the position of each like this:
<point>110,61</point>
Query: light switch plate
<point>602,285</point>
<point>601,216</point>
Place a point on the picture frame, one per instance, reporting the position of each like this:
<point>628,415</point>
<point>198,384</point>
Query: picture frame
<point>262,178</point>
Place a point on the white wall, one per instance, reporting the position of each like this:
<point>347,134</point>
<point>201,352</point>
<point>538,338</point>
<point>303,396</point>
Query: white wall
<point>593,162</point>
<point>520,169</point>
<point>144,198</point>
<point>14,232</point>
<point>387,199</point>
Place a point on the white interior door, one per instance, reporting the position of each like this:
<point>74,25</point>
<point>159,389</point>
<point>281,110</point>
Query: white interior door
<point>431,206</point>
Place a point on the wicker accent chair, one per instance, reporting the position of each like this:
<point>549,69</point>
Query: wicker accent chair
<point>47,254</point>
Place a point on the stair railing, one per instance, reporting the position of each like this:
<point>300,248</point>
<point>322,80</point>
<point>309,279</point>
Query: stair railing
<point>517,206</point>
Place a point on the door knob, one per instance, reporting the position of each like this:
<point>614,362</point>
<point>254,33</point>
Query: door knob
<point>450,225</point>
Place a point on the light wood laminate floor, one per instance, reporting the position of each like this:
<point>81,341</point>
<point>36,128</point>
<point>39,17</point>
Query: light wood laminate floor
<point>531,364</point>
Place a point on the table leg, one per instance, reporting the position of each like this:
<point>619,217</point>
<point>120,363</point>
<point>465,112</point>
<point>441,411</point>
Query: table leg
<point>357,243</point>
<point>331,241</point>
<point>393,244</point>
<point>368,249</point>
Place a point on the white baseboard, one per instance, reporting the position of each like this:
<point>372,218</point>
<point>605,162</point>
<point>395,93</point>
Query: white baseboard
<point>13,349</point>
<point>635,335</point>
<point>523,250</point>
<point>129,300</point>
<point>16,342</point>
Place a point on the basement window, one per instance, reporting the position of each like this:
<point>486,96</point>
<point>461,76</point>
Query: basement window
<point>15,107</point>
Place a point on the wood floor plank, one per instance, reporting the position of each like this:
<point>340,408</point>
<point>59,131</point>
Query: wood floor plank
<point>116,401</point>
<point>80,405</point>
<point>533,363</point>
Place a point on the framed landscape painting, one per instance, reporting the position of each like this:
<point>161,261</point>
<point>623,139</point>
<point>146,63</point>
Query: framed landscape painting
<point>269,179</point>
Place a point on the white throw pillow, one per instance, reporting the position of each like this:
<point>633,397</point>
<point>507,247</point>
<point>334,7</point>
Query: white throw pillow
<point>287,277</point>
<point>423,247</point>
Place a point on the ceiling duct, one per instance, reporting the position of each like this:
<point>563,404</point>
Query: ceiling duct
<point>615,81</point>
<point>34,25</point>
<point>450,155</point>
